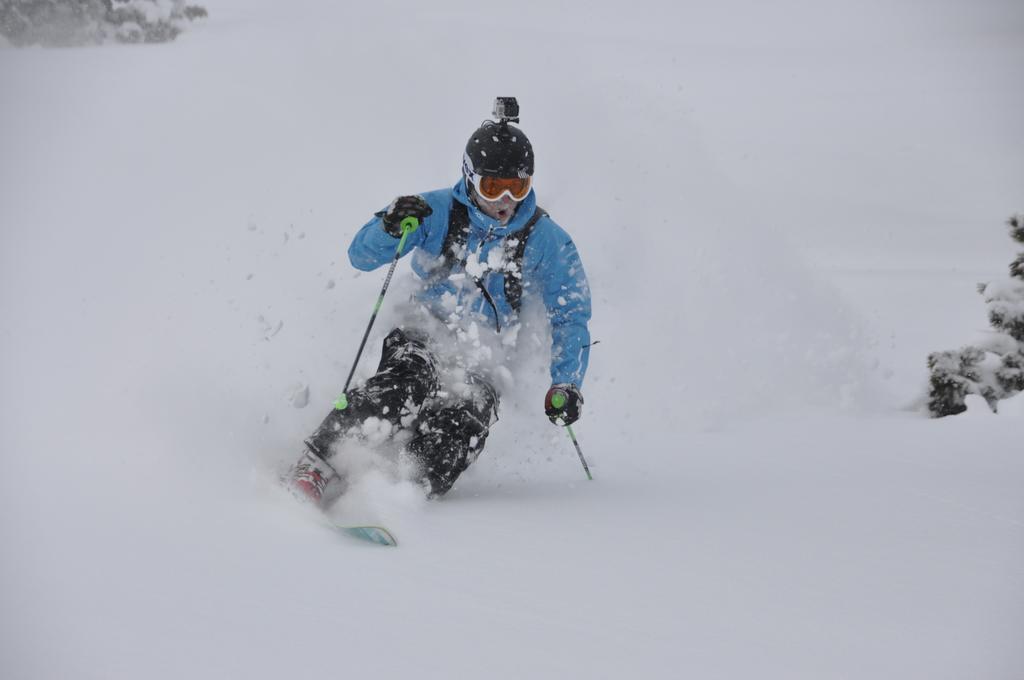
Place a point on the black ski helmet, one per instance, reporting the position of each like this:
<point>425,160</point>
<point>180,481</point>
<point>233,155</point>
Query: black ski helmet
<point>498,150</point>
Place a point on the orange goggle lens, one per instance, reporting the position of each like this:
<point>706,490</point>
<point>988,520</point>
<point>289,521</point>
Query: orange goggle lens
<point>493,188</point>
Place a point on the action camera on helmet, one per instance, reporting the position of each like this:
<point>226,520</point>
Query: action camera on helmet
<point>506,109</point>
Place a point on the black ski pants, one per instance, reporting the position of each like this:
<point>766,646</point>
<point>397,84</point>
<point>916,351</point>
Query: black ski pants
<point>448,430</point>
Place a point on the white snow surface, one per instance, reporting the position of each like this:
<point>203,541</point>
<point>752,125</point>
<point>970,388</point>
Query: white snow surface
<point>782,208</point>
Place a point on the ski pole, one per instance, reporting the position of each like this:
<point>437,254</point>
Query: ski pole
<point>579,451</point>
<point>558,400</point>
<point>409,225</point>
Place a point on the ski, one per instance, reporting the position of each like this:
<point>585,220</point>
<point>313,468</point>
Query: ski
<point>373,534</point>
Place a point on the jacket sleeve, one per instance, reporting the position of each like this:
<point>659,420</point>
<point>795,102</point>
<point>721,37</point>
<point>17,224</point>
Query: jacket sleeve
<point>373,247</point>
<point>566,296</point>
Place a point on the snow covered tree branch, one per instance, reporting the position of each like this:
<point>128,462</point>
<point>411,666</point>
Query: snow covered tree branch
<point>995,368</point>
<point>65,23</point>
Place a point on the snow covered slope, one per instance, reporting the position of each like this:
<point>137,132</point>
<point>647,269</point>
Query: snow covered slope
<point>782,209</point>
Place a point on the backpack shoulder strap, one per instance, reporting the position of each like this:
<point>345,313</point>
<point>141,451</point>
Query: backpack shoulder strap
<point>454,244</point>
<point>458,233</point>
<point>514,279</point>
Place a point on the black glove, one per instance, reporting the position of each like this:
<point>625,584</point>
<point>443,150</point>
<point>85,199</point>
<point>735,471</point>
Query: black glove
<point>400,208</point>
<point>562,402</point>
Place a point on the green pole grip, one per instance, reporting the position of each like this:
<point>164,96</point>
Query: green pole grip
<point>409,225</point>
<point>559,399</point>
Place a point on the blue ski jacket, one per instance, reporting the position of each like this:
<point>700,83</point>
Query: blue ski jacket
<point>551,270</point>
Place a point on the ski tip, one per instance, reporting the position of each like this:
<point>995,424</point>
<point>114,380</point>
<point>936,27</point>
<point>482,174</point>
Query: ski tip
<point>377,535</point>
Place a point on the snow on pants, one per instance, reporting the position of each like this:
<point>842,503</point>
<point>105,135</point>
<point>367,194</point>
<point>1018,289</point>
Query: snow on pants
<point>448,429</point>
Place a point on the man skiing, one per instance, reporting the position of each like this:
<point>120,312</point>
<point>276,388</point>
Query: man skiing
<point>482,247</point>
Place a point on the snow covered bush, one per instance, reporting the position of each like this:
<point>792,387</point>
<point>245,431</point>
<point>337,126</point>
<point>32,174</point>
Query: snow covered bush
<point>63,23</point>
<point>995,368</point>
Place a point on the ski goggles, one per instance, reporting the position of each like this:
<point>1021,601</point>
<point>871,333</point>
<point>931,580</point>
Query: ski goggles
<point>493,188</point>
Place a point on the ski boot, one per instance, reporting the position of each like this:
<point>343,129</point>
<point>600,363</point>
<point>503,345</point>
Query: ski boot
<point>309,478</point>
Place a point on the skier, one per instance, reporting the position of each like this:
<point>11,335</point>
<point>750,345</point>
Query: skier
<point>481,248</point>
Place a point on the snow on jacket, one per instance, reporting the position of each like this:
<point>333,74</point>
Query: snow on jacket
<point>551,270</point>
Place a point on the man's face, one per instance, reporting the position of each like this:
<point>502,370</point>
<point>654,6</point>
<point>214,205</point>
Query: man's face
<point>502,210</point>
